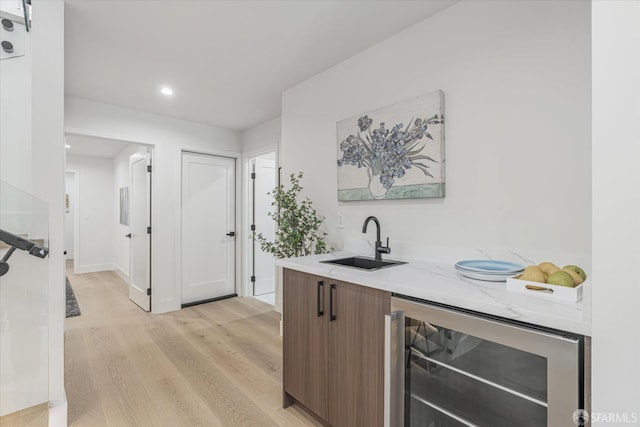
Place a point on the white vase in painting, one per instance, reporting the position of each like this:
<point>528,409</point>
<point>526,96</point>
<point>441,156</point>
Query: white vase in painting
<point>376,188</point>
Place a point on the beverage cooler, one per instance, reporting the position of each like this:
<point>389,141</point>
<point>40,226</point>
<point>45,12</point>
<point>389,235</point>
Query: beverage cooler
<point>451,368</point>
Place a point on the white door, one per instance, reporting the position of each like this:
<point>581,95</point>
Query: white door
<point>264,262</point>
<point>140,229</point>
<point>208,228</point>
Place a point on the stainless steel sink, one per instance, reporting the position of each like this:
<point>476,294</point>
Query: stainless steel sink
<point>363,263</point>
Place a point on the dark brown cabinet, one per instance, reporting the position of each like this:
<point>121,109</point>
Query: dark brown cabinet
<point>334,348</point>
<point>305,340</point>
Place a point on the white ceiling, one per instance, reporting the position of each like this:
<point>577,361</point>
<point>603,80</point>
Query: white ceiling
<point>227,61</point>
<point>82,145</point>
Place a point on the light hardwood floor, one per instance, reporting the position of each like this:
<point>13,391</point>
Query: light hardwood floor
<point>36,416</point>
<point>216,364</point>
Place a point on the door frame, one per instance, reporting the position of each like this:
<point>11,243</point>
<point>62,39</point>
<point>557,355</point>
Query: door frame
<point>247,286</point>
<point>151,148</point>
<point>247,215</point>
<point>236,157</point>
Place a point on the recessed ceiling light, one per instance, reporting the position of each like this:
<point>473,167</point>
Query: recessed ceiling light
<point>67,146</point>
<point>166,91</point>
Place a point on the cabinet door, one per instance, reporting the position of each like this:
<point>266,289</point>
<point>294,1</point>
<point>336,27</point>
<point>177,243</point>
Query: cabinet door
<point>356,355</point>
<point>305,340</point>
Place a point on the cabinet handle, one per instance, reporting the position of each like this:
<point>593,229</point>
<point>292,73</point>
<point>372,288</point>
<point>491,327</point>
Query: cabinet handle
<point>320,308</point>
<point>332,316</point>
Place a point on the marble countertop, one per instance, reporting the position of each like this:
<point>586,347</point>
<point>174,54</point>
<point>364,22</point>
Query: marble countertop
<point>439,282</point>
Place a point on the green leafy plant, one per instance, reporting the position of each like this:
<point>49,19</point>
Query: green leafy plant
<point>298,223</point>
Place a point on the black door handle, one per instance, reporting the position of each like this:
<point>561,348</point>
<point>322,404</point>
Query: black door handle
<point>320,288</point>
<point>332,316</point>
<point>128,235</point>
<point>231,233</point>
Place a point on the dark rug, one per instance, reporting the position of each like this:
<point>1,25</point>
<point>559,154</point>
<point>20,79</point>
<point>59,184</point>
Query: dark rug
<point>72,303</point>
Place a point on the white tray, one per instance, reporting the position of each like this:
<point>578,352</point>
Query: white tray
<point>544,290</point>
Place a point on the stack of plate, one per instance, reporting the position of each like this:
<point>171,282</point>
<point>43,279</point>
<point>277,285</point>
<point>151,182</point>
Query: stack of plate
<point>489,270</point>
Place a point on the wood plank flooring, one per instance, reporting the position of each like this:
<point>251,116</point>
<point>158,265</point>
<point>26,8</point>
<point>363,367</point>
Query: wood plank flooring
<point>216,364</point>
<point>36,416</point>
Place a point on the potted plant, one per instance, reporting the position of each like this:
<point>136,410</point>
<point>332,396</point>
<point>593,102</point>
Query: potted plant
<point>298,223</point>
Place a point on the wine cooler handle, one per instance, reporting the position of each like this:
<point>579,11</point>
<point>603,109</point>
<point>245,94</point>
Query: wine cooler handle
<point>394,369</point>
<point>320,306</point>
<point>332,289</point>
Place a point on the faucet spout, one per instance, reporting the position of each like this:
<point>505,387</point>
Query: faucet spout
<point>366,223</point>
<point>379,248</point>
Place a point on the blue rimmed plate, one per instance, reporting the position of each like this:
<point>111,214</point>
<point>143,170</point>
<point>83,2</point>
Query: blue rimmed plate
<point>488,277</point>
<point>487,266</point>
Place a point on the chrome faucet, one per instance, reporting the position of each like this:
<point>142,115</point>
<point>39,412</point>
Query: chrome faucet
<point>379,248</point>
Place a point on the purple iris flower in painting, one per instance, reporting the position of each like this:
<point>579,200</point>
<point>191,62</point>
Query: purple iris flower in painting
<point>353,152</point>
<point>364,123</point>
<point>388,153</point>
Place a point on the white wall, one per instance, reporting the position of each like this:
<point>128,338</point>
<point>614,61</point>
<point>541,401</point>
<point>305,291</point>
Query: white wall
<point>516,79</point>
<point>15,119</point>
<point>616,209</point>
<point>96,199</point>
<point>122,173</point>
<point>168,136</point>
<point>264,135</point>
<point>48,176</point>
<point>32,158</point>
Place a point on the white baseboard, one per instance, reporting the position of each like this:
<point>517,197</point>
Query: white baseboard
<point>58,414</point>
<point>82,269</point>
<point>124,276</point>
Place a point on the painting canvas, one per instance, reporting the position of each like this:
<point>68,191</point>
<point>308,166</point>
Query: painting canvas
<point>395,152</point>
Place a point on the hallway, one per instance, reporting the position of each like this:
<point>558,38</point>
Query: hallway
<point>217,364</point>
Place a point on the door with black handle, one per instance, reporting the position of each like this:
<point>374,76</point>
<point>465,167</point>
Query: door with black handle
<point>356,356</point>
<point>305,346</point>
<point>333,359</point>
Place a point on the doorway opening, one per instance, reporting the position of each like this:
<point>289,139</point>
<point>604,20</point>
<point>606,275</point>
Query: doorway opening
<point>108,210</point>
<point>263,179</point>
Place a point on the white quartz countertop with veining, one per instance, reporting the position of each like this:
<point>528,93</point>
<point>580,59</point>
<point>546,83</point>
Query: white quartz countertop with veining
<point>439,282</point>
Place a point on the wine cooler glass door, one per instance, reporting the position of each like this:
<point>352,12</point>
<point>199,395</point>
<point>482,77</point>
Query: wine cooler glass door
<point>461,369</point>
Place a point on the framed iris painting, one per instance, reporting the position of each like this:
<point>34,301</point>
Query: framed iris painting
<point>395,152</point>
